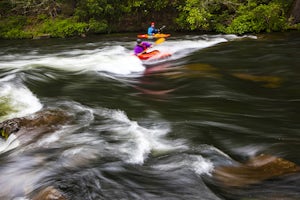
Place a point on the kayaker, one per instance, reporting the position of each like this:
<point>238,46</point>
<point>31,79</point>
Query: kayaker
<point>152,30</point>
<point>141,47</point>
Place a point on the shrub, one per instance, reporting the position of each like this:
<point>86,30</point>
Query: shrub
<point>16,33</point>
<point>97,26</point>
<point>63,27</point>
<point>262,18</point>
<point>12,27</point>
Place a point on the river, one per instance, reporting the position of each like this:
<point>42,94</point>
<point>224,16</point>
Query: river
<point>155,132</point>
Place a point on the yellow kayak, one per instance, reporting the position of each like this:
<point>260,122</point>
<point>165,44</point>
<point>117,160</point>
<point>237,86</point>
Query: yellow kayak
<point>157,35</point>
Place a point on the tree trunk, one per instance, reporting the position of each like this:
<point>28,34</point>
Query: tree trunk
<point>295,12</point>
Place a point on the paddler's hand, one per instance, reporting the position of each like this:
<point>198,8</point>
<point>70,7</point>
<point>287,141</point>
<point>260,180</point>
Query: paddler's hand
<point>145,51</point>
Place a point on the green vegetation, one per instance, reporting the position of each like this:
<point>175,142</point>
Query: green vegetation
<point>235,16</point>
<point>68,18</point>
<point>62,27</point>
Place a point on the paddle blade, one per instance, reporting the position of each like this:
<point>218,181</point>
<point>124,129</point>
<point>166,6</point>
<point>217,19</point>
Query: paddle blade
<point>160,40</point>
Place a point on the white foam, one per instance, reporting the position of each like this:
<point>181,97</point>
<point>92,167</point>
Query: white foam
<point>195,163</point>
<point>19,99</point>
<point>9,144</point>
<point>7,78</point>
<point>135,142</point>
<point>200,165</point>
<point>182,48</point>
<point>116,58</point>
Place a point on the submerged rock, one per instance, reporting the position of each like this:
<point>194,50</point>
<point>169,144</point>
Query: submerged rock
<point>49,193</point>
<point>254,171</point>
<point>35,125</point>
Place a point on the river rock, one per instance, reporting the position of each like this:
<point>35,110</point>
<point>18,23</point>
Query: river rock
<point>49,193</point>
<point>254,171</point>
<point>35,125</point>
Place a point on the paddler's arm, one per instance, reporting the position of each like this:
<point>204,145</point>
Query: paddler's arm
<point>145,51</point>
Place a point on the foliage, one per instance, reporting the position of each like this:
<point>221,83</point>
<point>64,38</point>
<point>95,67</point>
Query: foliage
<point>149,5</point>
<point>35,7</point>
<point>106,12</point>
<point>233,16</point>
<point>5,7</point>
<point>65,18</point>
<point>13,22</point>
<point>258,18</point>
<point>100,9</point>
<point>16,33</point>
<point>194,16</point>
<point>63,27</point>
<point>12,27</point>
<point>97,26</point>
<point>205,15</point>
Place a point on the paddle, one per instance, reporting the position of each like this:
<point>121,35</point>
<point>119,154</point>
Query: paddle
<point>161,28</point>
<point>159,41</point>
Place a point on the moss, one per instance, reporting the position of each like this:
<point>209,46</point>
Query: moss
<point>5,107</point>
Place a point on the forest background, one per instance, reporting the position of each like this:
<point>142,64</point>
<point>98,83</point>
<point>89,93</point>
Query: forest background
<point>69,18</point>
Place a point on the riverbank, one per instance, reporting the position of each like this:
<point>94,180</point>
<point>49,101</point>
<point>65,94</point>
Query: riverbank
<point>68,28</point>
<point>80,19</point>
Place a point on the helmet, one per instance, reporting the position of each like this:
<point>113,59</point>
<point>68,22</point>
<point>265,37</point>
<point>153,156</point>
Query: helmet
<point>139,41</point>
<point>152,23</point>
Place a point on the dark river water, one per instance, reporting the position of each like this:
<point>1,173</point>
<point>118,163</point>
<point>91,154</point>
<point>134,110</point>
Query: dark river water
<point>154,130</point>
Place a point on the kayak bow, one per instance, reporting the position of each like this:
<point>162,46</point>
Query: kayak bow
<point>154,54</point>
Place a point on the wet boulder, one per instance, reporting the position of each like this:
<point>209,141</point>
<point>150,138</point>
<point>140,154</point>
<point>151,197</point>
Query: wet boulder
<point>49,193</point>
<point>254,171</point>
<point>35,125</point>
